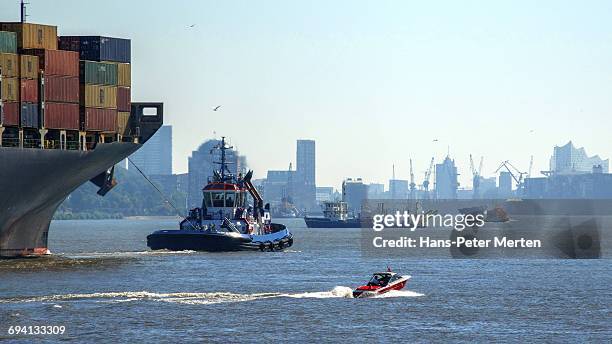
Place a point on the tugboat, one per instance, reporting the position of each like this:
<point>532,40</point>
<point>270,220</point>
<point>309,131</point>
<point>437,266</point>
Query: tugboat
<point>380,283</point>
<point>226,222</point>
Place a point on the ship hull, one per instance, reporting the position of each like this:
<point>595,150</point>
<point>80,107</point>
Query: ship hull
<point>322,222</point>
<point>34,182</point>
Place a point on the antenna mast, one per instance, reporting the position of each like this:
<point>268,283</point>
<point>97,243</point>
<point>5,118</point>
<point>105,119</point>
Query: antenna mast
<point>24,15</point>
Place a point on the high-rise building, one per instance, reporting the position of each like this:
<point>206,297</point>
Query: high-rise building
<point>398,189</point>
<point>155,156</point>
<point>568,159</point>
<point>305,193</point>
<point>446,179</point>
<point>202,166</point>
<point>354,192</point>
<point>279,185</point>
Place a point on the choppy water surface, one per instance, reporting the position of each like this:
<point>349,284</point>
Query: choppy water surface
<point>103,284</point>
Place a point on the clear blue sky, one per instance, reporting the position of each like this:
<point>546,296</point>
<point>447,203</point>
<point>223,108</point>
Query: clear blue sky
<point>373,82</point>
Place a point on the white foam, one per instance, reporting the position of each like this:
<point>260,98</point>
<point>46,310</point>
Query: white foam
<point>337,292</point>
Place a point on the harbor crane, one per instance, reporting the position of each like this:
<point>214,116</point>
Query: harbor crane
<point>476,175</point>
<point>517,175</point>
<point>530,167</point>
<point>427,177</point>
<point>412,183</point>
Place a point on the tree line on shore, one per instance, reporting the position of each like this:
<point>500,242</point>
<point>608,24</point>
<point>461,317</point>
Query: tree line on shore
<point>133,196</point>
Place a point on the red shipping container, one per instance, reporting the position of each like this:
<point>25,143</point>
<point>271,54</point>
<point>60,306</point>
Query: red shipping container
<point>56,62</point>
<point>123,99</point>
<point>100,119</point>
<point>61,116</point>
<point>63,89</point>
<point>29,90</point>
<point>10,114</point>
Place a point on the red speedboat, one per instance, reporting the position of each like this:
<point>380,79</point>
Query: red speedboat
<point>380,283</point>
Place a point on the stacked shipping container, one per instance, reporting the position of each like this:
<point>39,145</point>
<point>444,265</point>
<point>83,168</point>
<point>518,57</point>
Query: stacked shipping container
<point>61,73</point>
<point>28,94</point>
<point>9,71</point>
<point>91,95</point>
<point>105,77</point>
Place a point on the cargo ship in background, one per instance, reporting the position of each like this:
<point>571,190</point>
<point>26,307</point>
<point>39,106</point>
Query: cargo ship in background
<point>335,215</point>
<point>66,117</point>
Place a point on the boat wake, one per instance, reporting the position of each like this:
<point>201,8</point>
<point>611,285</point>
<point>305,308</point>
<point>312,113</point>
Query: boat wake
<point>339,291</point>
<point>195,298</point>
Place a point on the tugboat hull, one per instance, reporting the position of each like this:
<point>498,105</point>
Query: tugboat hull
<point>187,240</point>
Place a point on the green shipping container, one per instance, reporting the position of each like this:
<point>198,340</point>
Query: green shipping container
<point>98,73</point>
<point>8,42</point>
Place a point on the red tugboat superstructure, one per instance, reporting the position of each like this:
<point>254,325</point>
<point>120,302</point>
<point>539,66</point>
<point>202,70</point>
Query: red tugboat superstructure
<point>226,221</point>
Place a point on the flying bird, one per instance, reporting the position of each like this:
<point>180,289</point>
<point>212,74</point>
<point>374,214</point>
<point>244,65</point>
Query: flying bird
<point>216,107</point>
<point>435,140</point>
<point>192,25</point>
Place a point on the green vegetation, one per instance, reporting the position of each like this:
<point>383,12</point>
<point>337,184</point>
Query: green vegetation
<point>133,196</point>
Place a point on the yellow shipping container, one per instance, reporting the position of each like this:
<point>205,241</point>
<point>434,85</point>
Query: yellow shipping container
<point>9,65</point>
<point>123,119</point>
<point>29,67</point>
<point>33,36</point>
<point>124,74</point>
<point>97,96</point>
<point>10,89</point>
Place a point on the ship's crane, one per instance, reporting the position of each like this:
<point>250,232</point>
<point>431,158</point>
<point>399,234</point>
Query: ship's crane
<point>517,175</point>
<point>427,177</point>
<point>412,183</point>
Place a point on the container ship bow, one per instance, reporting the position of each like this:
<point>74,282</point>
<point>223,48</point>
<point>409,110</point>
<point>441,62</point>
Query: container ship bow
<point>66,118</point>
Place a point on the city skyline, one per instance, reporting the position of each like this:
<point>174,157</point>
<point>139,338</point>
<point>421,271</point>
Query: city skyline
<point>387,81</point>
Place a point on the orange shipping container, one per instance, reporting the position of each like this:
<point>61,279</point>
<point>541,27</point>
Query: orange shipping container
<point>33,36</point>
<point>10,89</point>
<point>29,67</point>
<point>124,74</point>
<point>9,65</point>
<point>96,96</point>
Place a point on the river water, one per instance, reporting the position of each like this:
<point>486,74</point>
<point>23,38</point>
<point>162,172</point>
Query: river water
<point>103,284</point>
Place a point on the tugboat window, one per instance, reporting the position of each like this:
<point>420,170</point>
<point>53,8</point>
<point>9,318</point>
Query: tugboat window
<point>207,199</point>
<point>217,199</point>
<point>229,199</point>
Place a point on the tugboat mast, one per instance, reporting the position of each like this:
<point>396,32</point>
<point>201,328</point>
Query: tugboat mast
<point>223,147</point>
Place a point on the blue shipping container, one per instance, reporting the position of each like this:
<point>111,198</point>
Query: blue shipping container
<point>29,115</point>
<point>98,48</point>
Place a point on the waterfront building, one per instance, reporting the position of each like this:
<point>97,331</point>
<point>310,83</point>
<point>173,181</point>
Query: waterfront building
<point>398,189</point>
<point>354,192</point>
<point>568,159</point>
<point>305,192</point>
<point>446,179</point>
